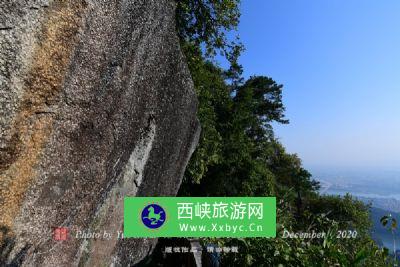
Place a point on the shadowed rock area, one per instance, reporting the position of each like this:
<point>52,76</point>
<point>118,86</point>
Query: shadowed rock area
<point>96,103</point>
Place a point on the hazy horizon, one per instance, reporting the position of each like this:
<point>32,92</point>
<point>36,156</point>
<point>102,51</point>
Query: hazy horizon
<point>338,62</point>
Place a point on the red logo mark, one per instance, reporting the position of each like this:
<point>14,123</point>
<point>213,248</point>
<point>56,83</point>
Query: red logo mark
<point>60,233</point>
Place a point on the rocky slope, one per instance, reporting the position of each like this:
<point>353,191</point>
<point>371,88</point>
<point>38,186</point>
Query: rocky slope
<point>96,103</point>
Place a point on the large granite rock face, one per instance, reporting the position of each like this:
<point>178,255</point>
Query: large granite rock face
<point>96,103</point>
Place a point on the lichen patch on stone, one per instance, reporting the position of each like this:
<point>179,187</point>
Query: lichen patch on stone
<point>42,88</point>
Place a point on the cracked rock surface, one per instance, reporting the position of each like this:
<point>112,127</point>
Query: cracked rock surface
<point>96,103</point>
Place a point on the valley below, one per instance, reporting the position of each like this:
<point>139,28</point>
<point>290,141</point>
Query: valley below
<point>379,189</point>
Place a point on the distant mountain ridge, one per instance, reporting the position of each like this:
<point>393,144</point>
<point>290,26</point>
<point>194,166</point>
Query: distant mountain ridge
<point>389,204</point>
<point>382,197</point>
<point>373,184</point>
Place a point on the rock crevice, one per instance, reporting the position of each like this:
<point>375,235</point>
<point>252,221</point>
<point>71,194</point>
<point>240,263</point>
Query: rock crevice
<point>96,103</point>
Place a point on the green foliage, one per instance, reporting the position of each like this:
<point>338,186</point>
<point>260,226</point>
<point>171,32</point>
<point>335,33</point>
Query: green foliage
<point>346,211</point>
<point>390,223</point>
<point>238,154</point>
<point>392,226</point>
<point>236,141</point>
<point>213,96</point>
<point>206,23</point>
<point>328,251</point>
<point>261,98</point>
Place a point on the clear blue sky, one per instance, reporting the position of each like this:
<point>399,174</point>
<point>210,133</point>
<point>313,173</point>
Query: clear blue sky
<point>339,62</point>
